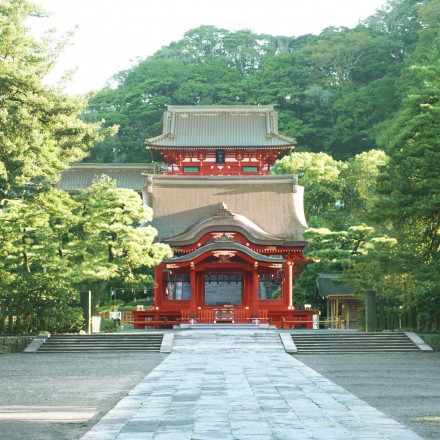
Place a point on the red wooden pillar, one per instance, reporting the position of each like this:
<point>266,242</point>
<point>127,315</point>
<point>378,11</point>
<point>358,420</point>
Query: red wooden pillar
<point>158,287</point>
<point>293,286</point>
<point>254,292</point>
<point>244,290</point>
<point>288,281</point>
<point>199,298</point>
<point>193,299</point>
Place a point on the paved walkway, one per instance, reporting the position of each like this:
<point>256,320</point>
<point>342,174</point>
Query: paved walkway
<point>240,385</point>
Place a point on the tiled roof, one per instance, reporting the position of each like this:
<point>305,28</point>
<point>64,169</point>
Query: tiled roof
<point>220,126</point>
<point>81,176</point>
<point>273,203</point>
<point>330,284</point>
<point>225,220</point>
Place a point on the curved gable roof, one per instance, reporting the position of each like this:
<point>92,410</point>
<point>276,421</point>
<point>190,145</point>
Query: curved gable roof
<point>223,220</point>
<point>224,244</point>
<point>273,204</point>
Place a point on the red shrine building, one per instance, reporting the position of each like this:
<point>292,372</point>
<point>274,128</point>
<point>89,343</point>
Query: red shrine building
<point>235,230</point>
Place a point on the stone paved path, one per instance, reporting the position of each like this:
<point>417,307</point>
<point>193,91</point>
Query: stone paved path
<point>240,385</point>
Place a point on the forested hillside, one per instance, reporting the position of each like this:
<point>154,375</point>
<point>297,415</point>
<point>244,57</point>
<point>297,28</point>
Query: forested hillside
<point>335,92</point>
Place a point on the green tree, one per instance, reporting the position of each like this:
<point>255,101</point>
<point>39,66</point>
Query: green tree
<point>339,199</point>
<point>83,241</point>
<point>337,194</point>
<point>320,178</point>
<point>39,130</point>
<point>336,54</point>
<point>330,252</point>
<point>359,193</point>
<point>409,183</point>
<point>398,24</point>
<point>40,301</point>
<point>334,92</point>
<point>110,242</point>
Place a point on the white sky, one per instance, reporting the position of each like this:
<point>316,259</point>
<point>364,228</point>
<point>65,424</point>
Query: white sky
<point>114,34</point>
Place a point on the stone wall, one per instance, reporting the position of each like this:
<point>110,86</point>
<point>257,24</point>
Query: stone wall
<point>14,344</point>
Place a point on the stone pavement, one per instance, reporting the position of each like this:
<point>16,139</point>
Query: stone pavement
<point>240,384</point>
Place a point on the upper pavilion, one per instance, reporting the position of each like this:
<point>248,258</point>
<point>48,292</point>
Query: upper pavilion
<point>219,140</point>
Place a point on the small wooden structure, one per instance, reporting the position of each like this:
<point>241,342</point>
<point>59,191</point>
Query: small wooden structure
<point>342,304</point>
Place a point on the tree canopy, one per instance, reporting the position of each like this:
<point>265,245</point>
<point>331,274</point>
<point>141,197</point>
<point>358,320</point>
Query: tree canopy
<point>395,191</point>
<point>333,91</point>
<point>40,133</point>
<point>53,244</point>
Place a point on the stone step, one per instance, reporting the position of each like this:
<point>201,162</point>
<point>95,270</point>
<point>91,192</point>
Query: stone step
<point>104,342</point>
<point>354,351</point>
<point>110,346</point>
<point>348,334</point>
<point>96,347</point>
<point>99,343</point>
<point>339,343</point>
<point>336,345</point>
<point>354,341</point>
<point>224,339</point>
<point>104,338</point>
<point>224,326</point>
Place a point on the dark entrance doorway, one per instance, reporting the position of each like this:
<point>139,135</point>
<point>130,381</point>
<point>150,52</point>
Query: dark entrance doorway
<point>222,289</point>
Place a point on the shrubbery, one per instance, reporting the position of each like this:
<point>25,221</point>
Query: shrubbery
<point>112,325</point>
<point>39,302</point>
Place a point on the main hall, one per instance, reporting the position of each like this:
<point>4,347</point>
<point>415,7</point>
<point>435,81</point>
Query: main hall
<point>236,230</point>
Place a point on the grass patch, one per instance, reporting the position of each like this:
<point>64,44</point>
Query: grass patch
<point>432,339</point>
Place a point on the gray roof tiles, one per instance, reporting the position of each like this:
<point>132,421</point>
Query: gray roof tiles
<point>220,126</point>
<point>331,284</point>
<point>81,176</point>
<point>273,203</point>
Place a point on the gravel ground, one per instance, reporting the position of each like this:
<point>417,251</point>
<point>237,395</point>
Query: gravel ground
<point>61,396</point>
<point>406,387</point>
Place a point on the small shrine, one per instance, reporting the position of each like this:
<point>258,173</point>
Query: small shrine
<point>235,230</point>
<point>342,304</point>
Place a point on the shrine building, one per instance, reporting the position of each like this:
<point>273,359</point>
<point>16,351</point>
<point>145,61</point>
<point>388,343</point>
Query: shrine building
<point>235,230</point>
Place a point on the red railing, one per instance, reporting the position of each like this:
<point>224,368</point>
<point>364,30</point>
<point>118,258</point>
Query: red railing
<point>242,315</point>
<point>161,319</point>
<point>207,315</point>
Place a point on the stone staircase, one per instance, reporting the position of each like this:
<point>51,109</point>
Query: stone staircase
<point>225,339</point>
<point>334,342</point>
<point>101,342</point>
<point>223,326</point>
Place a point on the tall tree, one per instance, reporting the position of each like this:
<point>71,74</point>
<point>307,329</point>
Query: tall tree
<point>82,241</point>
<point>109,242</point>
<point>39,130</point>
<point>320,177</point>
<point>359,193</point>
<point>398,25</point>
<point>339,198</point>
<point>410,181</point>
